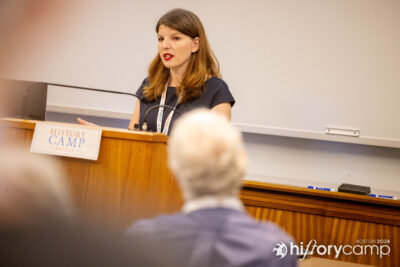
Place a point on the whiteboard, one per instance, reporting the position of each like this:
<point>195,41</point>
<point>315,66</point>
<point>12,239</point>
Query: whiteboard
<point>295,67</point>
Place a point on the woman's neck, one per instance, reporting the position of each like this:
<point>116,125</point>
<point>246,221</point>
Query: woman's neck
<point>176,76</point>
<point>173,82</point>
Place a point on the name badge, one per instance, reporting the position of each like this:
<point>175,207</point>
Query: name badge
<point>75,142</point>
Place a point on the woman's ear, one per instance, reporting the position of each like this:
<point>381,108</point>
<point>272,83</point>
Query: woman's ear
<point>196,44</point>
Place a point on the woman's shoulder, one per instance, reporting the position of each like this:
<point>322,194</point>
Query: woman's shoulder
<point>217,90</point>
<point>144,83</point>
<point>216,83</point>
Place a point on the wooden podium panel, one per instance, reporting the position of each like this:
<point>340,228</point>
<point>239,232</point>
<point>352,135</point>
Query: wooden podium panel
<point>130,179</point>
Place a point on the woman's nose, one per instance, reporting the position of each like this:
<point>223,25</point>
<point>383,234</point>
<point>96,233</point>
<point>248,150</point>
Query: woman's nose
<point>165,44</point>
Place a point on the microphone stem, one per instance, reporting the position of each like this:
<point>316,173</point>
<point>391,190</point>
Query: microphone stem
<point>94,89</point>
<point>144,125</point>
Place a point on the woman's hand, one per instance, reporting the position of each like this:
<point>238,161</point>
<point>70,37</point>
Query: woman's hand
<point>83,122</point>
<point>135,116</point>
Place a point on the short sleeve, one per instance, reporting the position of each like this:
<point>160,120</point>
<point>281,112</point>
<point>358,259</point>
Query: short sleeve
<point>222,95</point>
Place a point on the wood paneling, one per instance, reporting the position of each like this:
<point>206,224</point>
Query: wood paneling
<point>329,218</point>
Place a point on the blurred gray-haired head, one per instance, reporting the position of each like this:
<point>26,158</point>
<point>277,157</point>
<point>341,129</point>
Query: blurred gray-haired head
<point>32,189</point>
<point>206,155</point>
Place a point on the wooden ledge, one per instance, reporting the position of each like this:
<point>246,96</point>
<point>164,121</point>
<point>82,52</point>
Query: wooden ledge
<point>333,204</point>
<point>252,185</point>
<point>106,131</point>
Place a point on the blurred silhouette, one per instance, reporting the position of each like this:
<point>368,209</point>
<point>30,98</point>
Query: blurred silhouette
<point>37,222</point>
<point>20,21</point>
<point>33,190</point>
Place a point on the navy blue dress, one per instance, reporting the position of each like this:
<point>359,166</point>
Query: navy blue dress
<point>216,92</point>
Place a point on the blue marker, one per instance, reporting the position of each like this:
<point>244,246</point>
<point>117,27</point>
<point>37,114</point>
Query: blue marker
<point>383,196</point>
<point>321,188</point>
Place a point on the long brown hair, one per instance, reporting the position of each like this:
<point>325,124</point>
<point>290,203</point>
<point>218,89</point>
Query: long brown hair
<point>202,65</point>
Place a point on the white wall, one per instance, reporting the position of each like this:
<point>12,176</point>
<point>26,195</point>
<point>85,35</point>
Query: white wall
<point>109,44</point>
<point>302,162</point>
<point>296,66</point>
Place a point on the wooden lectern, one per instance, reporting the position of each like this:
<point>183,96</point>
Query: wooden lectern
<point>130,179</point>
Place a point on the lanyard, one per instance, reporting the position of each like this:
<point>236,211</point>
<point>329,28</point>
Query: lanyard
<point>161,112</point>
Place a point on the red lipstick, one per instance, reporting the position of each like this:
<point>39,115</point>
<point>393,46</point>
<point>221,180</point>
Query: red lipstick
<point>167,56</point>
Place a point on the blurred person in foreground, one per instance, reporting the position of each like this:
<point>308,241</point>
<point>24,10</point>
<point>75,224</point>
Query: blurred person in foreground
<point>207,157</point>
<point>37,219</point>
<point>36,212</point>
<point>33,190</point>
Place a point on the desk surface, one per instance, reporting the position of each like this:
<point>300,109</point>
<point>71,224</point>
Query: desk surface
<point>319,193</point>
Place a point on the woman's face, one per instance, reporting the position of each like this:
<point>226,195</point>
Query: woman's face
<point>175,48</point>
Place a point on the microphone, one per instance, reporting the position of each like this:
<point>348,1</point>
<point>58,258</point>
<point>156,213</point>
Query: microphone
<point>144,125</point>
<point>141,99</point>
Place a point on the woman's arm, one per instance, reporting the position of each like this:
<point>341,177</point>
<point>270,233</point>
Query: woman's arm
<point>87,123</point>
<point>224,108</point>
<point>135,116</point>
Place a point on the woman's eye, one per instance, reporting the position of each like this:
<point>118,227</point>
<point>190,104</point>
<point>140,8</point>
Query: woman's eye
<point>160,39</point>
<point>175,38</point>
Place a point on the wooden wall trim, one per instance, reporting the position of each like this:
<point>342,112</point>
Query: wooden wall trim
<point>321,203</point>
<point>320,193</point>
